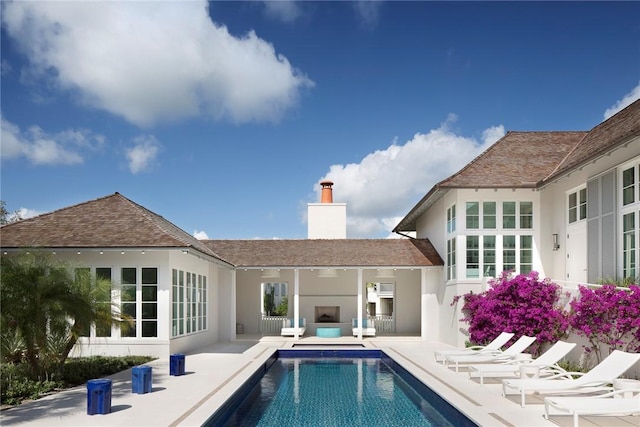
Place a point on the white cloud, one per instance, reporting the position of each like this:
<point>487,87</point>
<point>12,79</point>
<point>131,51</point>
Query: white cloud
<point>200,235</point>
<point>143,154</point>
<point>154,61</point>
<point>368,12</point>
<point>386,184</point>
<point>24,213</point>
<point>630,97</point>
<point>492,134</point>
<point>283,10</point>
<point>40,148</point>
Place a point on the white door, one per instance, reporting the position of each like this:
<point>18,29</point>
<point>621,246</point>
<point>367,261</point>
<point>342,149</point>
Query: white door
<point>576,261</point>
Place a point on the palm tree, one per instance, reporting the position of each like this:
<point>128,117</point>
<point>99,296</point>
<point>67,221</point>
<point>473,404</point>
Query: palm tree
<point>49,307</point>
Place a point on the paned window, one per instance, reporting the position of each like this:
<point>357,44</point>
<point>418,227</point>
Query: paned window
<point>509,253</point>
<point>139,302</point>
<point>526,254</point>
<point>83,275</point>
<point>473,256</point>
<point>103,324</point>
<point>578,206</point>
<point>189,303</point>
<point>526,214</point>
<point>628,186</point>
<point>451,259</point>
<point>451,219</point>
<point>149,302</point>
<point>103,284</point>
<point>509,215</point>
<point>629,245</point>
<point>128,301</point>
<point>473,215</point>
<point>489,256</point>
<point>489,215</point>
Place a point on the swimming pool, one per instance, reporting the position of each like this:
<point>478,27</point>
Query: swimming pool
<point>335,388</point>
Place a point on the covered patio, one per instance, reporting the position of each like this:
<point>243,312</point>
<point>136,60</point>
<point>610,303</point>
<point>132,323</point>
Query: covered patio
<point>344,284</point>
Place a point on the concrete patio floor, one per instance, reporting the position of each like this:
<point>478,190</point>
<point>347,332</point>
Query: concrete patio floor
<point>214,373</point>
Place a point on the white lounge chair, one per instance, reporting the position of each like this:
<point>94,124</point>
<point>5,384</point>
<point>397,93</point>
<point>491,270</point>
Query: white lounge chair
<point>493,347</point>
<point>368,327</point>
<point>289,330</point>
<point>546,363</point>
<point>612,403</point>
<point>598,378</point>
<point>509,354</point>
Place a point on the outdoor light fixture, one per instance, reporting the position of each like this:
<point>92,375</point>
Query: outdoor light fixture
<point>556,245</point>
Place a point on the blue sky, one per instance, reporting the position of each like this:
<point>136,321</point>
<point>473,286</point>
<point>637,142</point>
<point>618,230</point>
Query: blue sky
<point>223,117</point>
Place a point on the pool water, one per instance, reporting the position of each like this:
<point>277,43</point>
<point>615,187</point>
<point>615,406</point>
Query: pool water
<point>332,391</point>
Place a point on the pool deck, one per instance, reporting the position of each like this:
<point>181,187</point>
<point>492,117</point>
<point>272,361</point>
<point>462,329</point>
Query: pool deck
<point>214,373</point>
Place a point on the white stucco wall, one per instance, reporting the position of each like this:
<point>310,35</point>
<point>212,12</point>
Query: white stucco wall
<point>327,221</point>
<point>554,206</point>
<point>164,261</point>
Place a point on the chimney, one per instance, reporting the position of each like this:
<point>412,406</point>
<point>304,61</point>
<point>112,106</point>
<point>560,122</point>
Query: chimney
<point>327,192</point>
<point>327,220</point>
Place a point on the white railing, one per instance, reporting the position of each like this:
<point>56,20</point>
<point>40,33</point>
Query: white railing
<point>384,324</point>
<point>271,325</point>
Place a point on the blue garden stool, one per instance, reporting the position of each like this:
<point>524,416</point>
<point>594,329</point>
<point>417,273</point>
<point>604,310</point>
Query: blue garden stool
<point>176,364</point>
<point>98,397</point>
<point>141,379</point>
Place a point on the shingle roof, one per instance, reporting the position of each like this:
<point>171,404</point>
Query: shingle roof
<point>519,159</point>
<point>117,222</point>
<point>328,253</point>
<point>532,159</point>
<point>617,130</point>
<point>108,222</point>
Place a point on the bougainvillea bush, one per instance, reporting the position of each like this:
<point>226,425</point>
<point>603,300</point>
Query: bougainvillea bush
<point>607,315</point>
<point>524,305</point>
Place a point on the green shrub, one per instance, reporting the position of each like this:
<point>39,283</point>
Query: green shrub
<point>16,385</point>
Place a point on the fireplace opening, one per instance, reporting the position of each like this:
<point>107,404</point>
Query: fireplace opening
<point>327,314</point>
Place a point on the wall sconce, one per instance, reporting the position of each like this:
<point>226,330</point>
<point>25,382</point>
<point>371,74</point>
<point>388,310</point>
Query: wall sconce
<point>556,245</point>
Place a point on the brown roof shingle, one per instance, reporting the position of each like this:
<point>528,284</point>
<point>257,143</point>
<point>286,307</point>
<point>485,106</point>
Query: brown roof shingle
<point>108,222</point>
<point>618,129</point>
<point>532,159</point>
<point>117,222</point>
<point>519,159</point>
<point>328,253</point>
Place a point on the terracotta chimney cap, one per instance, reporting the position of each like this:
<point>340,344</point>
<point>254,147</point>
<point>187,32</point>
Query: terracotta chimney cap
<point>327,192</point>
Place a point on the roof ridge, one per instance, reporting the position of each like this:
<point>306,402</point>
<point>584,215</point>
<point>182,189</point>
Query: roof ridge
<point>564,159</point>
<point>44,214</point>
<point>151,216</point>
<point>594,129</point>
<point>495,144</point>
<point>159,222</point>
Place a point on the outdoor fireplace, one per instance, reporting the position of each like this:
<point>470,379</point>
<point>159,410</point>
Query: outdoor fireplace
<point>327,314</point>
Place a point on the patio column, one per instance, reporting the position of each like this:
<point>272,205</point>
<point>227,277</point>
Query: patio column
<point>429,323</point>
<point>359,320</point>
<point>296,303</point>
<point>233,311</point>
<point>424,324</point>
